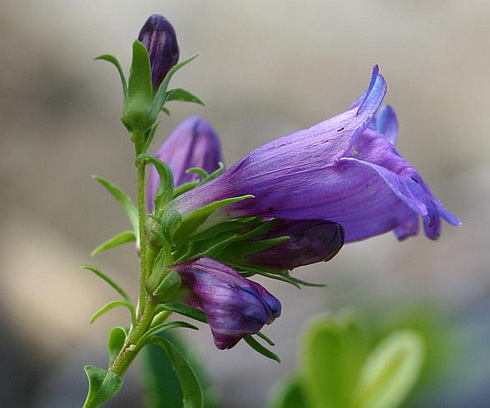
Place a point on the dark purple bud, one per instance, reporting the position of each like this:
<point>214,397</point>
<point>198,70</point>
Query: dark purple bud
<point>193,143</point>
<point>235,306</point>
<point>160,40</point>
<point>309,242</point>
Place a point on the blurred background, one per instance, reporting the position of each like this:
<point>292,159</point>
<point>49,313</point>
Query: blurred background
<point>266,68</point>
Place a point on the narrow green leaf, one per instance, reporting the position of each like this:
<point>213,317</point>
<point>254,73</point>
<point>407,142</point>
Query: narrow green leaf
<point>160,95</point>
<point>182,95</point>
<point>261,349</point>
<point>218,172</point>
<point>151,135</point>
<point>166,186</point>
<point>104,277</point>
<point>166,111</point>
<point>197,170</point>
<point>332,354</point>
<point>192,392</point>
<point>195,219</point>
<point>164,327</point>
<point>113,60</point>
<point>390,371</point>
<point>115,241</point>
<point>117,338</point>
<point>111,305</point>
<point>168,287</point>
<point>138,104</point>
<point>102,386</point>
<point>123,199</point>
<point>186,310</point>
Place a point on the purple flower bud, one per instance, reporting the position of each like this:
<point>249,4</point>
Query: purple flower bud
<point>309,242</point>
<point>345,169</point>
<point>193,143</point>
<point>160,40</point>
<point>235,306</point>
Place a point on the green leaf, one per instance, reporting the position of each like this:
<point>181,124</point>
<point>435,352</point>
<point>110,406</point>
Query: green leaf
<point>289,394</point>
<point>192,393</point>
<point>390,371</point>
<point>166,111</point>
<point>168,287</point>
<point>111,305</point>
<point>186,310</point>
<point>218,172</point>
<point>197,170</point>
<point>150,136</point>
<point>102,386</point>
<point>138,104</point>
<point>164,327</point>
<point>115,241</point>
<point>113,60</point>
<point>261,349</point>
<point>332,354</point>
<point>104,277</point>
<point>117,338</point>
<point>123,199</point>
<point>196,218</point>
<point>166,186</point>
<point>184,188</point>
<point>182,95</point>
<point>160,95</point>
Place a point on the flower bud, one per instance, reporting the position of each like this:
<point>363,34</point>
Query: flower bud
<point>309,242</point>
<point>193,143</point>
<point>160,40</point>
<point>235,306</point>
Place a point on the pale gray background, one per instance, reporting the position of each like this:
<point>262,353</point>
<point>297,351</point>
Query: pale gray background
<point>266,68</point>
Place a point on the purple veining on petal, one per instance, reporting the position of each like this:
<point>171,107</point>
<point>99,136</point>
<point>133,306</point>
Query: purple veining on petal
<point>234,305</point>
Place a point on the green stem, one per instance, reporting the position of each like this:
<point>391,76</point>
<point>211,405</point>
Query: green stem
<point>142,233</point>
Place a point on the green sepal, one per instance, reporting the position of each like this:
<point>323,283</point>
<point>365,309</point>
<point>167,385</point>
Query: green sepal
<point>184,188</point>
<point>186,310</point>
<point>197,170</point>
<point>241,249</point>
<point>104,277</point>
<point>102,386</point>
<point>111,305</point>
<point>271,273</point>
<point>159,268</point>
<point>115,241</point>
<point>233,226</point>
<point>332,355</point>
<point>261,349</point>
<point>123,199</point>
<point>169,287</point>
<point>159,99</point>
<point>166,111</point>
<point>390,371</point>
<point>191,389</point>
<point>182,95</point>
<point>196,218</point>
<point>115,342</point>
<point>138,104</point>
<point>218,172</point>
<point>166,186</point>
<point>113,60</point>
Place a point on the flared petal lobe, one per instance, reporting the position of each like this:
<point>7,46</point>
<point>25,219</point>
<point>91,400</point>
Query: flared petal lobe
<point>160,40</point>
<point>309,242</point>
<point>193,143</point>
<point>345,170</point>
<point>235,306</point>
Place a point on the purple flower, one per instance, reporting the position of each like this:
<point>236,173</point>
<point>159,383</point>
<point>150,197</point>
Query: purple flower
<point>193,143</point>
<point>345,169</point>
<point>310,241</point>
<point>235,306</point>
<point>160,40</point>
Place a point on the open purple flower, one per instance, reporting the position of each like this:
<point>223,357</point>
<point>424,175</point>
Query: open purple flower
<point>193,143</point>
<point>345,169</point>
<point>160,40</point>
<point>235,306</point>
